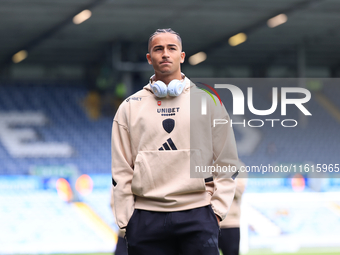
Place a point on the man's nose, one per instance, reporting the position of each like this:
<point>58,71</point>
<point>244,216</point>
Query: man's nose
<point>165,53</point>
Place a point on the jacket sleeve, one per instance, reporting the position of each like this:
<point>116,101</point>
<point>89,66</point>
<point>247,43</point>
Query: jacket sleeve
<point>122,171</point>
<point>225,155</point>
<point>112,202</point>
<point>240,187</point>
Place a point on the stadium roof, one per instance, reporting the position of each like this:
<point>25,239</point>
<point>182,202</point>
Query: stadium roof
<point>45,29</point>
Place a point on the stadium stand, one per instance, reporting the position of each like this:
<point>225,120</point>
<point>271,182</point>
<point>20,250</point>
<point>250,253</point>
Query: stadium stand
<point>52,120</point>
<point>279,144</point>
<point>60,122</point>
<point>48,126</point>
<point>39,222</point>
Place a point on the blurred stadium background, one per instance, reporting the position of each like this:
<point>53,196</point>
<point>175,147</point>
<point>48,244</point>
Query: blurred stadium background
<point>65,65</point>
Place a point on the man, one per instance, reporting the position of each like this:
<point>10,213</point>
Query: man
<point>156,142</point>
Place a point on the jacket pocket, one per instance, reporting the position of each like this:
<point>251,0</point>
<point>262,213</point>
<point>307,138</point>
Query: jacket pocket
<point>162,174</point>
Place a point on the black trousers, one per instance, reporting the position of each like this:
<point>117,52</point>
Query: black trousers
<point>186,232</point>
<point>229,241</point>
<point>121,248</point>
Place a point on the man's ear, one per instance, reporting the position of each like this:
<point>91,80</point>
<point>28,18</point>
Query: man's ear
<point>182,57</point>
<point>148,57</point>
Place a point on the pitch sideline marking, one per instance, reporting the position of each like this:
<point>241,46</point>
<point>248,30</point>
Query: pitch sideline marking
<point>95,222</point>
